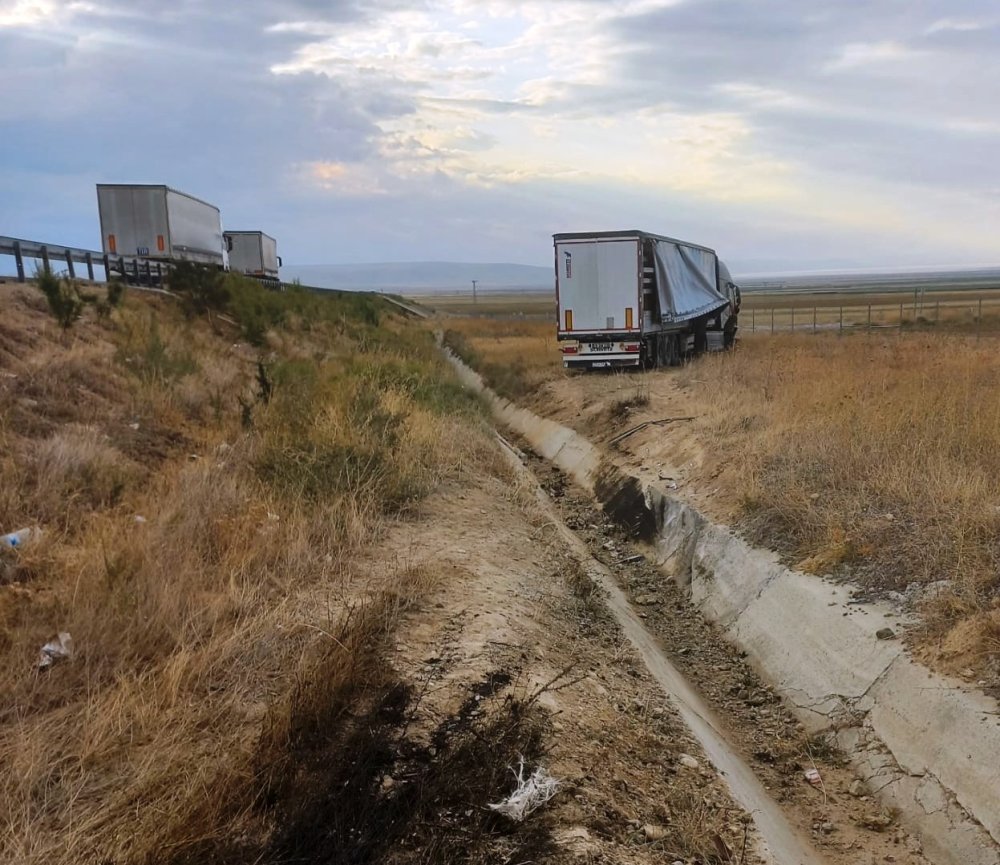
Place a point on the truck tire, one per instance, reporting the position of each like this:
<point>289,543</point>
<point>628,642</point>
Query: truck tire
<point>701,336</point>
<point>729,334</point>
<point>668,350</point>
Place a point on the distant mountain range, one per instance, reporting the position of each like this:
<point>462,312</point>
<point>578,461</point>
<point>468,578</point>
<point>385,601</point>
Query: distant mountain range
<point>429,277</point>
<point>425,275</point>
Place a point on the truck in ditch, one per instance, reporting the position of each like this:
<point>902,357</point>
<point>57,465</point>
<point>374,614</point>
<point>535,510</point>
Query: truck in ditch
<point>635,299</point>
<point>253,253</point>
<point>158,224</point>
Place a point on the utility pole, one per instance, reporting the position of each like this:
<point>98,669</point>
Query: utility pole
<point>474,283</point>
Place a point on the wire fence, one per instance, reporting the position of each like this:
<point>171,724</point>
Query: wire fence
<point>975,314</point>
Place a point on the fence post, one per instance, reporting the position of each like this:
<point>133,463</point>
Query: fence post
<point>121,267</point>
<point>753,320</point>
<point>814,319</point>
<point>869,318</point>
<point>159,275</point>
<point>45,259</point>
<point>69,264</point>
<point>793,319</point>
<point>18,258</point>
<point>772,321</point>
<point>841,318</point>
<point>90,266</point>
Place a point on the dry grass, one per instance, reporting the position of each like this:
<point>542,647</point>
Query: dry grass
<point>198,545</point>
<point>514,357</point>
<point>878,455</point>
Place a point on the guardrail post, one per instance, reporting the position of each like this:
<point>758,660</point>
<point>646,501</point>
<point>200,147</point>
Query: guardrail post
<point>135,270</point>
<point>69,264</point>
<point>19,260</point>
<point>159,275</point>
<point>90,266</point>
<point>107,267</point>
<point>45,259</point>
<point>121,267</point>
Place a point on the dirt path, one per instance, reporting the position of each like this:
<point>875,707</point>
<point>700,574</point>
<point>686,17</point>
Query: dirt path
<point>519,614</point>
<point>515,618</point>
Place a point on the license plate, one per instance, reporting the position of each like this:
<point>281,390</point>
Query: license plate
<point>601,346</point>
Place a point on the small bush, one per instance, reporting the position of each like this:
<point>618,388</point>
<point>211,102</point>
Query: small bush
<point>203,289</point>
<point>63,296</point>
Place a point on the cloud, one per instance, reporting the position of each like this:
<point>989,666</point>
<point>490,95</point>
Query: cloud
<point>791,125</point>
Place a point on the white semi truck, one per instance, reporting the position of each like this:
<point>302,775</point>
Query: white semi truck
<point>253,253</point>
<point>631,298</point>
<point>159,224</point>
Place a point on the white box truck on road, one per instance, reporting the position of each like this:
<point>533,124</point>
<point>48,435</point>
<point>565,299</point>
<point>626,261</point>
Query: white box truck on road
<point>253,253</point>
<point>631,298</point>
<point>158,223</point>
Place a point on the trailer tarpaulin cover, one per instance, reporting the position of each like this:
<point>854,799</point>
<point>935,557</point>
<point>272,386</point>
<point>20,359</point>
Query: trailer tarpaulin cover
<point>686,281</point>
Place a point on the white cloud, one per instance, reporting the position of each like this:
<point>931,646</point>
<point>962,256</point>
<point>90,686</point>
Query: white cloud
<point>856,55</point>
<point>27,13</point>
<point>957,25</point>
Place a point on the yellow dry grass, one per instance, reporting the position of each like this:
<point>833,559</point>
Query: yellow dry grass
<point>514,356</point>
<point>881,453</point>
<point>197,562</point>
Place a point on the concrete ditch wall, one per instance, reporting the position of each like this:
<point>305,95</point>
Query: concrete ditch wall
<point>928,746</point>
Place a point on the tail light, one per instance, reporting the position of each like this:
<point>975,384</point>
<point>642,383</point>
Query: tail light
<point>570,349</point>
<point>632,347</point>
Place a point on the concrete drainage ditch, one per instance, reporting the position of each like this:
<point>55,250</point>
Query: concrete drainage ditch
<point>925,745</point>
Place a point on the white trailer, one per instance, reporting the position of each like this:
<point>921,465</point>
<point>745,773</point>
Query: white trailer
<point>159,223</point>
<point>253,253</point>
<point>631,298</point>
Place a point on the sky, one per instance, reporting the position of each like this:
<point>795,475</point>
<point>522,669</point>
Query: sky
<point>787,134</point>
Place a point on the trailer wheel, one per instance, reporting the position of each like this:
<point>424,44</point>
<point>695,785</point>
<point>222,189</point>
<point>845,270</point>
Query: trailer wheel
<point>729,333</point>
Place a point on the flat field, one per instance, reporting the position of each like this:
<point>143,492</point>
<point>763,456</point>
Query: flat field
<point>778,311</point>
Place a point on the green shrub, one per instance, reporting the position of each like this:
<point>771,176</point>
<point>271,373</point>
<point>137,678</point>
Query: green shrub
<point>202,288</point>
<point>63,296</point>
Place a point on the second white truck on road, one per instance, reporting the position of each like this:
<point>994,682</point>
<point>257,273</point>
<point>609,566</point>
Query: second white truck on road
<point>253,253</point>
<point>631,298</point>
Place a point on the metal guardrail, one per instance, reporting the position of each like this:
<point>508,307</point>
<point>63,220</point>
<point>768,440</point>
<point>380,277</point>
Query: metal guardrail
<point>140,271</point>
<point>137,271</point>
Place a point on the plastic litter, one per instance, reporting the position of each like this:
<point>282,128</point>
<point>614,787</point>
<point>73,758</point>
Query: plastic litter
<point>814,778</point>
<point>58,649</point>
<point>19,538</point>
<point>531,793</point>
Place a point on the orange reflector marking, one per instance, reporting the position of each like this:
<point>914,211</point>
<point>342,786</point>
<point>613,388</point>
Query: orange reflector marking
<point>569,319</point>
<point>628,318</point>
<point>160,245</point>
<point>112,243</point>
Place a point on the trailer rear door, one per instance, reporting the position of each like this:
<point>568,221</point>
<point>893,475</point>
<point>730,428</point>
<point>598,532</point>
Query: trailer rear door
<point>597,284</point>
